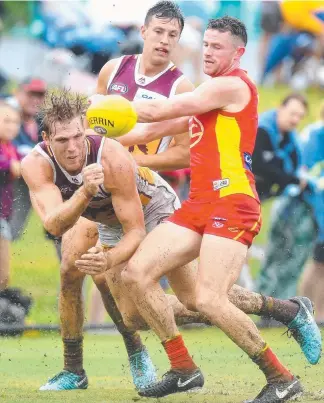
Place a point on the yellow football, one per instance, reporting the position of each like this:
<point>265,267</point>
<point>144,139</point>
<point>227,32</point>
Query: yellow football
<point>111,116</point>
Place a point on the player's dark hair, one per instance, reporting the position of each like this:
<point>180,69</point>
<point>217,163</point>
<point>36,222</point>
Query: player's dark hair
<point>229,24</point>
<point>297,97</point>
<point>165,9</point>
<point>61,106</point>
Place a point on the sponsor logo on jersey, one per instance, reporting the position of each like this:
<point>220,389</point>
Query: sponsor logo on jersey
<point>143,93</point>
<point>196,131</point>
<point>233,229</point>
<point>119,88</point>
<point>221,183</point>
<point>141,81</point>
<point>248,161</point>
<point>65,190</point>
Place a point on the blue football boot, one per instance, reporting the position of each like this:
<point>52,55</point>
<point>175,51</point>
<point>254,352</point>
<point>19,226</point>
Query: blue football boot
<point>305,331</point>
<point>142,369</point>
<point>66,380</point>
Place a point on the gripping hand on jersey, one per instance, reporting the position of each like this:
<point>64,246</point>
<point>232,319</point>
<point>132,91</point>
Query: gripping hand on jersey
<point>94,262</point>
<point>93,177</point>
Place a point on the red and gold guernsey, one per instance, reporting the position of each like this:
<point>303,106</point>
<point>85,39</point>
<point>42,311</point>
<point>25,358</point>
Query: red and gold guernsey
<point>126,81</point>
<point>223,200</point>
<point>221,148</point>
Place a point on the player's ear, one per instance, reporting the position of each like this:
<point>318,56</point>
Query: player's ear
<point>240,51</point>
<point>45,137</point>
<point>143,32</point>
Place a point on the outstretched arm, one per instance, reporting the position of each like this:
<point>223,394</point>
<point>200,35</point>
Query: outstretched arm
<point>145,133</point>
<point>217,93</point>
<point>120,175</point>
<point>176,156</point>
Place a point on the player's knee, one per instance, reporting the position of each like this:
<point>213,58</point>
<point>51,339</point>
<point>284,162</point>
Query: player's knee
<point>131,276</point>
<point>207,302</point>
<point>189,301</point>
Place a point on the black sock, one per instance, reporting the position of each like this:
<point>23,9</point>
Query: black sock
<point>133,343</point>
<point>73,355</point>
<point>282,310</point>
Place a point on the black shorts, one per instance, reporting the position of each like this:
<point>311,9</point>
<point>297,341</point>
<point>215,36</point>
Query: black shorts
<point>319,252</point>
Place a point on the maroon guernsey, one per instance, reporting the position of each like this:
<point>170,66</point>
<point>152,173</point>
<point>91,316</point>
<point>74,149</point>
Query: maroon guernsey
<point>126,80</point>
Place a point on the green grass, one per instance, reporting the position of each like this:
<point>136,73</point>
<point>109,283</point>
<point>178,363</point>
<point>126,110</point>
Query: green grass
<point>230,376</point>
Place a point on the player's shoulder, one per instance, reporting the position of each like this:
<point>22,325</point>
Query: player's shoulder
<point>109,67</point>
<point>32,158</point>
<point>229,84</point>
<point>117,163</point>
<point>185,85</point>
<point>35,166</point>
<point>114,153</point>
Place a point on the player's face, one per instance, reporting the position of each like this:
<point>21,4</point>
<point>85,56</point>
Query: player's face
<point>160,36</point>
<point>220,53</point>
<point>290,115</point>
<point>67,141</point>
<point>9,123</point>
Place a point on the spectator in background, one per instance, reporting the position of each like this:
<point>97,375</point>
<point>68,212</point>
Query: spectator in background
<point>27,100</point>
<point>276,163</point>
<point>313,159</point>
<point>9,171</point>
<point>276,159</point>
<point>276,156</point>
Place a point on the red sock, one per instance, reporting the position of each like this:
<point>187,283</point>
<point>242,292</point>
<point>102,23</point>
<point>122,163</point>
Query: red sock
<point>178,354</point>
<point>272,368</point>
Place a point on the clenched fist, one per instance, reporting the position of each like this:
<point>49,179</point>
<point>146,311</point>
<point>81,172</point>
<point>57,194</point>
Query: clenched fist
<point>93,177</point>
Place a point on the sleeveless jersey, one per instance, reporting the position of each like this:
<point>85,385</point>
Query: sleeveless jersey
<point>126,81</point>
<point>100,208</point>
<point>221,147</point>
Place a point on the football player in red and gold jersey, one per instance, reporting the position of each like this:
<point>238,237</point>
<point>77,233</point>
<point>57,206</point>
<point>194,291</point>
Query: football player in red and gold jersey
<point>219,220</point>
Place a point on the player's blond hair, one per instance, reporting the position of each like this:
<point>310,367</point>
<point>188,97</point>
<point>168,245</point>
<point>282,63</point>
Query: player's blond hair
<point>61,106</point>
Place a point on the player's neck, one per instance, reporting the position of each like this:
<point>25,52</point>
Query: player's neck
<point>230,69</point>
<point>148,69</point>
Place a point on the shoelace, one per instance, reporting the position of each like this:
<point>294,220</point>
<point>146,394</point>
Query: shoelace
<point>290,331</point>
<point>59,375</point>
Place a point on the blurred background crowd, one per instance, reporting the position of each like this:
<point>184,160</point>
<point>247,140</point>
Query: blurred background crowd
<point>46,44</point>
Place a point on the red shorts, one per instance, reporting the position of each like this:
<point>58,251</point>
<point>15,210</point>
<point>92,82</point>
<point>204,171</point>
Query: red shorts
<point>236,217</point>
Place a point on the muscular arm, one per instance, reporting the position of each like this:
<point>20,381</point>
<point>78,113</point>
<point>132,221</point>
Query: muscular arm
<point>57,216</point>
<point>217,93</point>
<point>177,156</point>
<point>119,171</point>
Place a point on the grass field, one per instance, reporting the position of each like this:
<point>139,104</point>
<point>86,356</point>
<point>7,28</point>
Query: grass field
<point>230,375</point>
<point>28,361</point>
